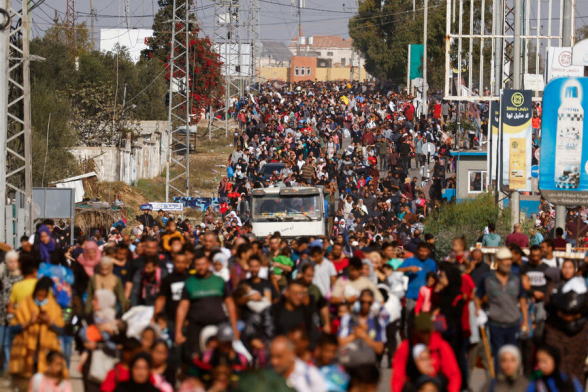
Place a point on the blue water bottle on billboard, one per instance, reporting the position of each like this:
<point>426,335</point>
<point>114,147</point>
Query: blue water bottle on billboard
<point>568,149</point>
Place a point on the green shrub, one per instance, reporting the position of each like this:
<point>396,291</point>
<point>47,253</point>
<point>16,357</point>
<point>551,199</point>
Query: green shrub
<point>468,219</point>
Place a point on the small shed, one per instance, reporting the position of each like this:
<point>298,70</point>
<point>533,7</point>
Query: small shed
<point>471,172</point>
<point>77,183</point>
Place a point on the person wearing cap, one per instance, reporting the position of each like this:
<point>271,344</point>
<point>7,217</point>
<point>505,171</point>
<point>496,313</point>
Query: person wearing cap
<point>202,365</point>
<point>146,219</point>
<point>505,299</point>
<point>442,357</point>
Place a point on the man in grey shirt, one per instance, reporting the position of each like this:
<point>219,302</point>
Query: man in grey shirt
<point>506,301</point>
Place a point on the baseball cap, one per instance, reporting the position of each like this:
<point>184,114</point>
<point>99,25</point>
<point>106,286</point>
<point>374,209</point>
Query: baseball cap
<point>225,333</point>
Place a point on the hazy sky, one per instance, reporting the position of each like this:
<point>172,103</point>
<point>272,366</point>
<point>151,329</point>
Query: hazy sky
<point>278,17</point>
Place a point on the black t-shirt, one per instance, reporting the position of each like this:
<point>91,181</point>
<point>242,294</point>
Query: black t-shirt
<point>171,288</point>
<point>262,286</point>
<point>288,320</point>
<point>537,276</point>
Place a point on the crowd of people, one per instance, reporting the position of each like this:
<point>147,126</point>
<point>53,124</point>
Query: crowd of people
<point>169,305</point>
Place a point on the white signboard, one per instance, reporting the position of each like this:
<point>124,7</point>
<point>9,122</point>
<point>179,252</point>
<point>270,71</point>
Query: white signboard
<point>175,207</point>
<point>559,64</point>
<point>580,53</point>
<point>534,82</point>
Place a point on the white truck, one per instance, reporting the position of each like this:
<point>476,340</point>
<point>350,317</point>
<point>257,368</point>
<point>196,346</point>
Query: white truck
<point>294,212</point>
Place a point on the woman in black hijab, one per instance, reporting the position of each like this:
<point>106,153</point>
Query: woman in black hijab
<point>451,305</point>
<point>140,372</point>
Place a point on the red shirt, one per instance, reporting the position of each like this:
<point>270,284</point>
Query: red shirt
<point>116,376</point>
<point>442,359</point>
<point>341,264</point>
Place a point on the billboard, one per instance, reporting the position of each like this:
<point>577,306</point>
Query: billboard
<point>415,61</point>
<point>516,113</point>
<point>559,64</point>
<point>134,41</point>
<point>563,168</point>
<point>494,127</point>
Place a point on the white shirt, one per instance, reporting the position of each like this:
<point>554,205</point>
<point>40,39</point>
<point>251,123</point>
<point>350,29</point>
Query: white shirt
<point>553,262</point>
<point>322,276</point>
<point>306,378</point>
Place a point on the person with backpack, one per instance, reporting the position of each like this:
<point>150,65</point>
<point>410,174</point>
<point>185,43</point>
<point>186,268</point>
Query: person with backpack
<point>146,283</point>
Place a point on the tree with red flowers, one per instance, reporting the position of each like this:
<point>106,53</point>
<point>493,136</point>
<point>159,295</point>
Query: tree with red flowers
<point>206,82</point>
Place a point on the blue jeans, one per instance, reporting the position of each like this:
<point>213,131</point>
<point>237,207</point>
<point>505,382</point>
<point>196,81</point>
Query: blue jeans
<point>5,344</point>
<point>501,336</point>
<point>66,345</point>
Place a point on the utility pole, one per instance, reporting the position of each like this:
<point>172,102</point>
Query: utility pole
<point>16,183</point>
<point>299,28</point>
<point>515,196</point>
<point>92,17</point>
<point>127,15</point>
<point>425,107</point>
<point>567,36</point>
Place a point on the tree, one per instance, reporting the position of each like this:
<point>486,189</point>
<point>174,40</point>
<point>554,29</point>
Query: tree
<point>382,31</point>
<point>94,119</point>
<point>205,79</point>
<point>51,140</point>
<point>582,33</point>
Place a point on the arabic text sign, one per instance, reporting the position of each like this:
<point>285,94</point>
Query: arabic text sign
<point>175,207</point>
<point>515,119</point>
<point>559,64</point>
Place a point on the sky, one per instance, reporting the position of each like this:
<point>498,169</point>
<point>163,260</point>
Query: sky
<point>278,17</point>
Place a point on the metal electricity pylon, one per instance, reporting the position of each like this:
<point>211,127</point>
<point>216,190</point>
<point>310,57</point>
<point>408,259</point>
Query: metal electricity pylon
<point>177,173</point>
<point>254,38</point>
<point>70,25</point>
<point>227,43</point>
<point>16,181</point>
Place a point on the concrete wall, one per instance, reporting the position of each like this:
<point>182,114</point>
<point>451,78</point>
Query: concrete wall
<point>322,74</point>
<point>144,159</point>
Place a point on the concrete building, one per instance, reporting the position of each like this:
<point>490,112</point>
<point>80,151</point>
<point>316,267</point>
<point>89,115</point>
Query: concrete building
<point>142,158</point>
<point>302,68</point>
<point>332,51</point>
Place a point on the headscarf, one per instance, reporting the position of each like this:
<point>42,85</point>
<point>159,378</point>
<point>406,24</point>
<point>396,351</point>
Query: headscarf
<point>449,302</point>
<point>88,263</point>
<point>108,281</point>
<point>515,352</point>
<point>33,342</point>
<point>563,382</point>
<point>372,275</point>
<point>46,249</point>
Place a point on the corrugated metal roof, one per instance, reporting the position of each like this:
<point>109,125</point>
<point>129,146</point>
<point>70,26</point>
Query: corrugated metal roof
<point>278,51</point>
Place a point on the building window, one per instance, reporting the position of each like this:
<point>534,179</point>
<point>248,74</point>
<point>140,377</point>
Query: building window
<point>343,62</point>
<point>308,71</point>
<point>330,54</point>
<point>296,71</point>
<point>476,181</point>
<point>301,71</point>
